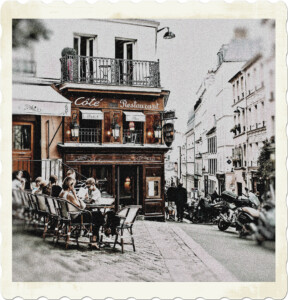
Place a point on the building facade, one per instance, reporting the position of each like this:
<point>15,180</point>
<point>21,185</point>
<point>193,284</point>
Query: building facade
<point>254,113</point>
<point>108,77</point>
<point>213,118</point>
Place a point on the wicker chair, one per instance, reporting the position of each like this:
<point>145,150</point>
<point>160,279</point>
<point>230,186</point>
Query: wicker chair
<point>69,230</point>
<point>127,217</point>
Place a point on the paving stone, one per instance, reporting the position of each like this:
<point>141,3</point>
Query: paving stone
<point>162,254</point>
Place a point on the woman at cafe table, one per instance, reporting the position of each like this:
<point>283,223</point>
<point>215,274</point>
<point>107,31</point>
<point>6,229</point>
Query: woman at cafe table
<point>97,217</point>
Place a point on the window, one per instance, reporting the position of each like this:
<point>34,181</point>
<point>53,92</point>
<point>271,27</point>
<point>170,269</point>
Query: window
<point>212,166</point>
<point>212,145</point>
<point>211,186</point>
<point>84,46</point>
<point>21,137</point>
<point>242,87</point>
<point>153,187</point>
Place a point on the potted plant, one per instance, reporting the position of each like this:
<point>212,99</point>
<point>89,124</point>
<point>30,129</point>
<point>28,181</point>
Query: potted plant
<point>69,63</point>
<point>234,129</point>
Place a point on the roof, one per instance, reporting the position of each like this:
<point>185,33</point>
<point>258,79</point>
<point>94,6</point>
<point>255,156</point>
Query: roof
<point>241,50</point>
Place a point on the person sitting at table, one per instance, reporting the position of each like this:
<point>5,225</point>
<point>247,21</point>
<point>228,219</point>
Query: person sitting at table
<point>54,187</point>
<point>16,180</point>
<point>92,194</point>
<point>97,217</point>
<point>36,188</point>
<point>43,188</point>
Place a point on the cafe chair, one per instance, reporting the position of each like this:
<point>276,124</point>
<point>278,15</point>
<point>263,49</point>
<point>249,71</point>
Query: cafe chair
<point>18,204</point>
<point>127,217</point>
<point>52,218</point>
<point>42,212</point>
<point>69,230</point>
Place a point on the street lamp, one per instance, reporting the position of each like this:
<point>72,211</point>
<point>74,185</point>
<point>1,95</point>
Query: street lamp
<point>168,35</point>
<point>237,111</point>
<point>158,131</point>
<point>75,130</point>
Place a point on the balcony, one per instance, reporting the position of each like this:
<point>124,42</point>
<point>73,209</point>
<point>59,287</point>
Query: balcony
<point>132,136</point>
<point>109,71</point>
<point>90,135</point>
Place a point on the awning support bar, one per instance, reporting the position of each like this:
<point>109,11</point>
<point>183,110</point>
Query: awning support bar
<point>50,142</point>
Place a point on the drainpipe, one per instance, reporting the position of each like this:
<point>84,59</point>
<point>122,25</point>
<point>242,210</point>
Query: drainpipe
<point>48,138</point>
<point>179,163</point>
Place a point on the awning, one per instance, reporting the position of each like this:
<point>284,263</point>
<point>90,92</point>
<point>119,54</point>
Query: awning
<point>134,116</point>
<point>31,99</point>
<point>89,114</point>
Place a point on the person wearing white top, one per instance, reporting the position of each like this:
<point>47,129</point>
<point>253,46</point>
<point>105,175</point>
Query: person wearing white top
<point>92,193</point>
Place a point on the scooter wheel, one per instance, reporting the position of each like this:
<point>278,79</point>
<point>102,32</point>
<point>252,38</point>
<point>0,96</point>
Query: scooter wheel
<point>222,225</point>
<point>194,219</point>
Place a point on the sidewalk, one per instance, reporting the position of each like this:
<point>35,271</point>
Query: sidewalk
<point>164,253</point>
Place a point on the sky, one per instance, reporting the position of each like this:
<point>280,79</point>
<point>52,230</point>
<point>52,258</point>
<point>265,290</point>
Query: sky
<point>185,60</point>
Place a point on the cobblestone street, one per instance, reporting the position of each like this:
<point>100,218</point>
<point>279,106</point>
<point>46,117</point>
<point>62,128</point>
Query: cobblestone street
<point>164,253</point>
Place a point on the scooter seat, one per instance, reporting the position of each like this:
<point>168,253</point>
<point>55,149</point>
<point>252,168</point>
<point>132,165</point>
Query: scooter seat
<point>251,211</point>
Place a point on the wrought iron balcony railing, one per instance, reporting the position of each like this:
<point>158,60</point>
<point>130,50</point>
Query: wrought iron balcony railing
<point>90,135</point>
<point>109,71</point>
<point>132,136</point>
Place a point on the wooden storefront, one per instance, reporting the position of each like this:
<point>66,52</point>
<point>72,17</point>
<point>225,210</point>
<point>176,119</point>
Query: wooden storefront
<point>129,167</point>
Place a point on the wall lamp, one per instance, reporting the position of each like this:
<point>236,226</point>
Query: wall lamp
<point>168,35</point>
<point>237,111</point>
<point>74,127</point>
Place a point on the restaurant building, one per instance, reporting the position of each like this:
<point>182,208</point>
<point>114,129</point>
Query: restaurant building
<point>115,127</point>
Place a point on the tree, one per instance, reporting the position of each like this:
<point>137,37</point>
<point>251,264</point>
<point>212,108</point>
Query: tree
<point>266,165</point>
<point>25,31</point>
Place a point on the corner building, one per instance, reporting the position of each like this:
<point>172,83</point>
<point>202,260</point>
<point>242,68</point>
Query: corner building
<point>112,82</point>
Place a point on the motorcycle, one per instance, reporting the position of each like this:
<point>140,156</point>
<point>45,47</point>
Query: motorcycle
<point>205,211</point>
<point>264,228</point>
<point>247,215</point>
<point>228,218</point>
<point>190,209</point>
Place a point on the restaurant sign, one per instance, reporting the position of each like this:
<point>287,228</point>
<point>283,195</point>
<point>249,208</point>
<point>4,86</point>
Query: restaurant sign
<point>113,158</point>
<point>115,103</point>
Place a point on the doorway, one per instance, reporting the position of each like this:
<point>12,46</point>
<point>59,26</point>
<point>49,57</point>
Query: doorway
<point>124,53</point>
<point>239,188</point>
<point>84,47</point>
<point>129,186</point>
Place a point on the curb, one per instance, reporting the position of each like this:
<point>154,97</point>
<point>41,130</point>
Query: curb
<point>215,267</point>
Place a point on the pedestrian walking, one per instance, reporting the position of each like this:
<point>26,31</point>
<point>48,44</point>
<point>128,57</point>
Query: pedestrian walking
<point>181,201</point>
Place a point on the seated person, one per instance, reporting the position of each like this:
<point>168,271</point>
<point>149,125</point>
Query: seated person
<point>17,184</point>
<point>97,217</point>
<point>35,189</point>
<point>92,193</point>
<point>43,188</point>
<point>55,188</point>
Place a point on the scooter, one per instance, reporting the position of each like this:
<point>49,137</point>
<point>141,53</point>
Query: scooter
<point>206,212</point>
<point>247,216</point>
<point>233,203</point>
<point>264,229</point>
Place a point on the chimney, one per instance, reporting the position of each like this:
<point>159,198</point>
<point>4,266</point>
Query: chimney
<point>240,33</point>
